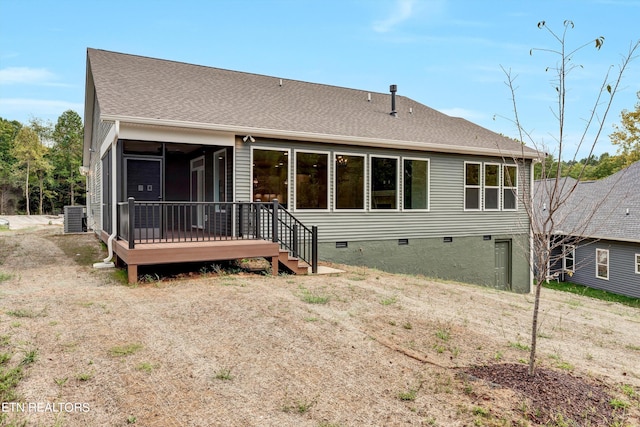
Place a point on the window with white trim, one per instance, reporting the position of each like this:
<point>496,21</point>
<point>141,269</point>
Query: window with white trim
<point>415,184</point>
<point>472,186</point>
<point>568,258</point>
<point>602,264</point>
<point>510,188</point>
<point>349,181</point>
<point>637,263</point>
<point>269,175</point>
<point>312,180</point>
<point>491,186</point>
<point>384,183</point>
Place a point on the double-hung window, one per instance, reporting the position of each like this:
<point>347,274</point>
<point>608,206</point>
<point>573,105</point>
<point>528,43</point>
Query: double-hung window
<point>568,258</point>
<point>602,264</point>
<point>491,186</point>
<point>472,186</point>
<point>510,188</point>
<point>637,263</point>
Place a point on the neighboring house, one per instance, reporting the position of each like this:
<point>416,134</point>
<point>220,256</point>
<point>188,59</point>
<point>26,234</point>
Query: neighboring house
<point>600,225</point>
<point>390,183</point>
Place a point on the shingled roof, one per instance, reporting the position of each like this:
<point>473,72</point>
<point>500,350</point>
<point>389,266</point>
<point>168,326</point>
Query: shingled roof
<point>146,90</point>
<point>605,209</point>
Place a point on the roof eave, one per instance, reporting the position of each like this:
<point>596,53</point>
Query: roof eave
<point>603,237</point>
<point>326,138</point>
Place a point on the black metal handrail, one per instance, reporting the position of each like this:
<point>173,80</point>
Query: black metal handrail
<point>142,222</point>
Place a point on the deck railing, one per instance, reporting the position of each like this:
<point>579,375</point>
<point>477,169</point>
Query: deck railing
<point>141,222</point>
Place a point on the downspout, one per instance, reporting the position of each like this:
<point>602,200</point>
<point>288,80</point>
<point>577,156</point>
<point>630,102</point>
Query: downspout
<point>106,263</point>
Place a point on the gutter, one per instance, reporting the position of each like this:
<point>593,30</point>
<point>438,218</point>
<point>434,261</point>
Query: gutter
<point>107,263</point>
<point>317,137</point>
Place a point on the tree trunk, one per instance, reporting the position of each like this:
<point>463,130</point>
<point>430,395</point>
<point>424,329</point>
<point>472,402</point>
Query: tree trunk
<point>71,185</point>
<point>41,182</point>
<point>534,330</point>
<point>26,190</point>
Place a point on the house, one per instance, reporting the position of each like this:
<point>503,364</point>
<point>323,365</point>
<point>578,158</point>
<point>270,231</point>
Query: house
<point>599,232</point>
<point>191,163</point>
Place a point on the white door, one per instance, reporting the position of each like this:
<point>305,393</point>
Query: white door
<point>197,191</point>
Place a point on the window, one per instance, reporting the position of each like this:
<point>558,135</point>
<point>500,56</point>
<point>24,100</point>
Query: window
<point>312,172</point>
<point>510,188</point>
<point>270,172</point>
<point>384,183</point>
<point>568,258</point>
<point>349,181</point>
<point>491,186</point>
<point>416,184</point>
<point>602,264</point>
<point>472,186</point>
<point>637,263</point>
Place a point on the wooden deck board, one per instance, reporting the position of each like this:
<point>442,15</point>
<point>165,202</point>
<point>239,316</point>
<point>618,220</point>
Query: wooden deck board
<point>212,250</point>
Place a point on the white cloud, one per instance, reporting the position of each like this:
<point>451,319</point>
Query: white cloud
<point>25,75</point>
<point>464,113</point>
<point>402,11</point>
<point>11,107</point>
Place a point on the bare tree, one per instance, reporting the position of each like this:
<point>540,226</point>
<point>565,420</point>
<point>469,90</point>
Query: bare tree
<point>554,225</point>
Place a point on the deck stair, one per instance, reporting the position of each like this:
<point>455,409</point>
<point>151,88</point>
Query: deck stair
<point>293,264</point>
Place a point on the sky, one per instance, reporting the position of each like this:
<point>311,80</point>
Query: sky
<point>450,55</point>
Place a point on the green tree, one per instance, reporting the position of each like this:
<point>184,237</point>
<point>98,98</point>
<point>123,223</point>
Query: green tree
<point>627,135</point>
<point>67,156</point>
<point>31,160</point>
<point>8,132</point>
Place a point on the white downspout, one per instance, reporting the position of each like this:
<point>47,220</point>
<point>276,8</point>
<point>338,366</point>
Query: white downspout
<point>107,263</point>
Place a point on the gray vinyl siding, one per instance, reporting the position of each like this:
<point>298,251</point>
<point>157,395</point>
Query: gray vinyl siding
<point>446,216</point>
<point>623,279</point>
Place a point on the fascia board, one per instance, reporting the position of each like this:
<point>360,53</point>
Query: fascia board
<point>316,137</point>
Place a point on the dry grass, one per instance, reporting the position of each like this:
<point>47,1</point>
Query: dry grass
<point>361,348</point>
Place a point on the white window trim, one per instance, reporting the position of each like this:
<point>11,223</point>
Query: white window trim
<point>565,250</point>
<point>513,188</point>
<point>428,161</point>
<point>269,148</point>
<point>465,186</point>
<point>334,185</point>
<point>498,187</point>
<point>597,263</point>
<point>637,259</point>
<point>295,181</point>
<point>398,171</point>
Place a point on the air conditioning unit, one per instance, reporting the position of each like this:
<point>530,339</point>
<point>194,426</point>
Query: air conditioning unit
<point>73,219</point>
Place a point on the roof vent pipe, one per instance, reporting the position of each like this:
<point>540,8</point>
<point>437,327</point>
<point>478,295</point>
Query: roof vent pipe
<point>393,89</point>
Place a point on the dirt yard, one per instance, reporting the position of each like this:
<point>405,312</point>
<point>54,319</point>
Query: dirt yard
<point>362,348</point>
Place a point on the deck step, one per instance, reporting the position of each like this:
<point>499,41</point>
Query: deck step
<point>295,265</point>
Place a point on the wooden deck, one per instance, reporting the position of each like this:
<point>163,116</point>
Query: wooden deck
<point>211,250</point>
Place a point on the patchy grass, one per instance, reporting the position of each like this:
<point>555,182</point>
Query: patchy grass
<point>408,396</point>
<point>574,288</point>
<point>21,313</point>
<point>78,248</point>
<point>313,297</point>
<point>4,276</point>
<point>124,350</point>
<point>223,374</point>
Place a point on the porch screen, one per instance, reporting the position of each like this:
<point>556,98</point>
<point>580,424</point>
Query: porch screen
<point>270,172</point>
<point>311,180</point>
